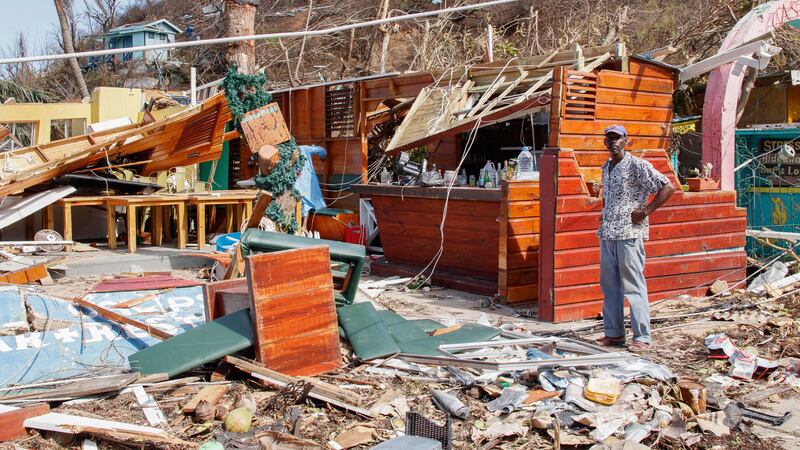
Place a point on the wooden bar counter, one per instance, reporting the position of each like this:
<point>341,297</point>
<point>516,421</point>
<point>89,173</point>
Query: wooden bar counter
<point>409,219</point>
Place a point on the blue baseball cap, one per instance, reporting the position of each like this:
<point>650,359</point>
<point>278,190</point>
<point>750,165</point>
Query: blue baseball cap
<point>616,129</point>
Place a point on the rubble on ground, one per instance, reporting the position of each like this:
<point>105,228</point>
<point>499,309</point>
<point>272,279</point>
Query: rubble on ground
<point>510,391</point>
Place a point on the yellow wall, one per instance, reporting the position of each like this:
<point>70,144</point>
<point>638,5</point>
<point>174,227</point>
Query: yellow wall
<point>107,103</point>
<point>113,103</point>
<point>43,113</point>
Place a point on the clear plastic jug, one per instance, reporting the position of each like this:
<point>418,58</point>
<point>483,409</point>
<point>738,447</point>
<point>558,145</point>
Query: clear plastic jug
<point>525,165</point>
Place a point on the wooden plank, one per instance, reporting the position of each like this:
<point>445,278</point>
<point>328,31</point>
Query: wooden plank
<point>590,220</point>
<point>617,80</point>
<point>634,128</point>
<point>584,203</point>
<point>72,389</point>
<point>524,242</point>
<point>11,421</point>
<point>294,317</point>
<point>548,180</point>
<point>633,98</point>
<point>592,292</point>
<point>212,394</point>
<point>155,417</point>
<point>678,246</point>
<point>523,209</point>
<point>523,226</point>
<point>628,112</point>
<point>582,143</point>
<point>525,293</point>
<point>520,277</point>
<point>321,390</point>
<point>644,69</point>
<point>120,319</point>
<point>26,275</point>
<point>656,267</point>
<point>522,260</point>
<point>571,185</point>
<point>664,231</point>
<point>146,283</point>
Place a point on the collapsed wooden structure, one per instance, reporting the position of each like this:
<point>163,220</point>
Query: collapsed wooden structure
<point>534,243</point>
<point>188,137</point>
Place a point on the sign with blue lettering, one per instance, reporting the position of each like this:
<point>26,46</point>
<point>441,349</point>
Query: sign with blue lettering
<point>53,339</point>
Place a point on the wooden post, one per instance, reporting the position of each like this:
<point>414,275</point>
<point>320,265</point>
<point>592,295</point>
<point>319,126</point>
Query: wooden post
<point>131,223</point>
<point>111,224</point>
<point>182,226</point>
<point>201,225</point>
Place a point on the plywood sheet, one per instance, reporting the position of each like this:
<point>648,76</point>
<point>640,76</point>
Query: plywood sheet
<point>294,317</point>
<point>265,126</point>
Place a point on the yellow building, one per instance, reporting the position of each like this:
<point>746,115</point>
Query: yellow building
<point>40,123</point>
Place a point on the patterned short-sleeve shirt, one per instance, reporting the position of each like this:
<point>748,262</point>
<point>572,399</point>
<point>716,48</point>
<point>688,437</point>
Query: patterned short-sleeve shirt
<point>627,187</point>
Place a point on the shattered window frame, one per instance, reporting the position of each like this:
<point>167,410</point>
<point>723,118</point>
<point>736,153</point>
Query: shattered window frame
<point>24,132</point>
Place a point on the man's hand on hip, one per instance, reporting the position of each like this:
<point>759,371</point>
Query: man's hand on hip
<point>638,215</point>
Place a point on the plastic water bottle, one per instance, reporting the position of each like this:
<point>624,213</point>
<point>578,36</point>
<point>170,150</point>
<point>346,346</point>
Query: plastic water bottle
<point>525,165</point>
<point>490,172</point>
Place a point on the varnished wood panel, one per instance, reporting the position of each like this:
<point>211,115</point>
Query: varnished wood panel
<point>293,312</point>
<point>410,233</point>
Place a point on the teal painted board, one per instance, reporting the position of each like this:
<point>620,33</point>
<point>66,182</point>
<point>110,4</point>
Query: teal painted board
<point>206,343</point>
<point>766,185</point>
<point>427,325</point>
<point>366,332</point>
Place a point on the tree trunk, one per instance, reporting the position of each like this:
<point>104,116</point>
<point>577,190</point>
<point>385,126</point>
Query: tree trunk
<point>66,37</point>
<point>240,17</point>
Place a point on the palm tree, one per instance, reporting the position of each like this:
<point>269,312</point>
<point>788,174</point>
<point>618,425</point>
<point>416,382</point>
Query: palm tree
<point>66,36</point>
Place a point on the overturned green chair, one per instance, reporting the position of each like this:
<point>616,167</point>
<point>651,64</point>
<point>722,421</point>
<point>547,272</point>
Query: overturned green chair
<point>348,258</point>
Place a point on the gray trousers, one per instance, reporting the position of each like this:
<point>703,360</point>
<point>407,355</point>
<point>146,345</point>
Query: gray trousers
<point>622,277</point>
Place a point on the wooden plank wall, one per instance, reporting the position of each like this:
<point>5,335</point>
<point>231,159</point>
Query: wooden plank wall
<point>304,111</point>
<point>518,275</point>
<point>695,239</point>
<point>471,233</point>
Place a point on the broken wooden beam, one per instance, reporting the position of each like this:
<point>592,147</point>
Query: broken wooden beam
<point>70,389</point>
<point>212,394</point>
<point>321,391</point>
<point>25,276</point>
<point>11,421</point>
<point>119,318</point>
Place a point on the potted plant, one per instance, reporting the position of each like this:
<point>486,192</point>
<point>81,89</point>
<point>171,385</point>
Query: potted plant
<point>704,183</point>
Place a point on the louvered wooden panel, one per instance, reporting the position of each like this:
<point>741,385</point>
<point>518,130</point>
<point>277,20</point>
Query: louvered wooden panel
<point>580,96</point>
<point>339,118</point>
<point>199,130</point>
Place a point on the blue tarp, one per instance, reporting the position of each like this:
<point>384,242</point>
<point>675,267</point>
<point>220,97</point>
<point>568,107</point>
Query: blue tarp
<point>88,344</point>
<point>308,183</point>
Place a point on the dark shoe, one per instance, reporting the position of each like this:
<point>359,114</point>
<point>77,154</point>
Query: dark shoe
<point>607,341</point>
<point>638,346</point>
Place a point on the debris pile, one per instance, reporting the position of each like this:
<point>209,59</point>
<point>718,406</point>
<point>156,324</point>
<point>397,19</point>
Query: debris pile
<point>146,368</point>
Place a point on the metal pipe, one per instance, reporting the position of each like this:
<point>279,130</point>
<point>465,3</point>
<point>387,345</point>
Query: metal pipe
<point>255,37</point>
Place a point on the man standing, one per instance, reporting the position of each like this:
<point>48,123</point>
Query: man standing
<point>627,183</point>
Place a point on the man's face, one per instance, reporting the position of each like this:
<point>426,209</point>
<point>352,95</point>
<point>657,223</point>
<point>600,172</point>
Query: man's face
<point>615,143</point>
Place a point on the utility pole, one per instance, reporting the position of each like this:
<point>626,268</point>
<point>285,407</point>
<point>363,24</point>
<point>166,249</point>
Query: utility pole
<point>240,20</point>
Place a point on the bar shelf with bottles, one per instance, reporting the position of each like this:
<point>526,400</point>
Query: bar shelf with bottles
<point>468,240</point>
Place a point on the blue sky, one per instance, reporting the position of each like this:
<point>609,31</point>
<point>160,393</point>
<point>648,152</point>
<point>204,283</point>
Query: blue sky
<point>37,19</point>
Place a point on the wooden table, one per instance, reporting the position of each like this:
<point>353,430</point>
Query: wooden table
<point>70,202</point>
<point>156,202</point>
<point>238,198</point>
